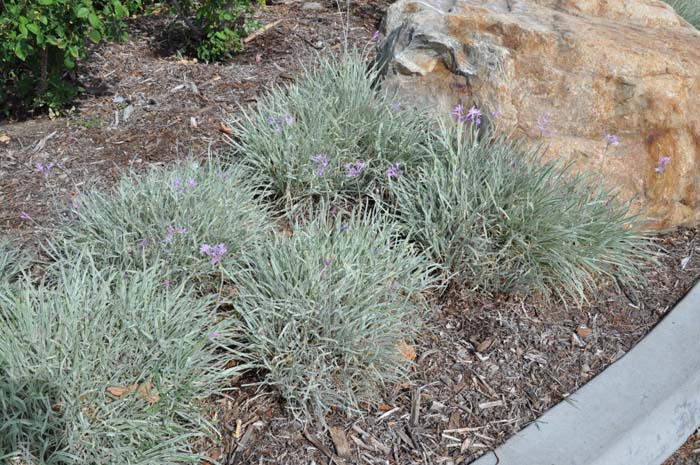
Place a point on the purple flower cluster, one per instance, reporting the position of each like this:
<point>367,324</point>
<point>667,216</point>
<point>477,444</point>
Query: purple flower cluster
<point>353,170</point>
<point>45,169</point>
<point>542,125</point>
<point>190,184</point>
<point>473,115</point>
<point>171,231</point>
<point>375,36</point>
<point>662,164</point>
<point>277,123</point>
<point>395,171</point>
<point>24,216</point>
<point>395,106</point>
<point>321,163</point>
<point>215,252</point>
<point>611,139</point>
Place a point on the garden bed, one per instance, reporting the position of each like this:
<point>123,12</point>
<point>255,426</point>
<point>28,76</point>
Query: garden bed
<point>485,364</point>
<point>531,357</point>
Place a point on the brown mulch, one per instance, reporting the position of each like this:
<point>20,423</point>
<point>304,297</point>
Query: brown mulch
<point>486,365</point>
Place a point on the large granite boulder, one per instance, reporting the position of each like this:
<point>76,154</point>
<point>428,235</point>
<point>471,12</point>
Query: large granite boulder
<point>611,85</point>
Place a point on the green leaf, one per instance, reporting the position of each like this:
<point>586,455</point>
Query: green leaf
<point>93,20</point>
<point>82,12</point>
<point>70,64</point>
<point>46,2</point>
<point>22,29</point>
<point>34,29</point>
<point>73,50</point>
<point>20,52</point>
<point>95,35</point>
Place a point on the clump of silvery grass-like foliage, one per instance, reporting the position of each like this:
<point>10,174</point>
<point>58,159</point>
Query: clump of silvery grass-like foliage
<point>12,262</point>
<point>324,310</point>
<point>329,135</point>
<point>688,9</point>
<point>502,219</point>
<point>96,369</point>
<point>187,220</point>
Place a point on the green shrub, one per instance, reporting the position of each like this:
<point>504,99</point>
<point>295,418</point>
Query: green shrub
<point>688,9</point>
<point>501,219</point>
<point>164,219</point>
<point>41,42</point>
<point>300,138</point>
<point>323,311</point>
<point>215,26</point>
<point>69,353</point>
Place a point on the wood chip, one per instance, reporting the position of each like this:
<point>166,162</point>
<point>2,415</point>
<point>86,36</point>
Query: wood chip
<point>340,441</point>
<point>487,405</point>
<point>584,331</point>
<point>407,351</point>
<point>145,391</point>
<point>484,345</point>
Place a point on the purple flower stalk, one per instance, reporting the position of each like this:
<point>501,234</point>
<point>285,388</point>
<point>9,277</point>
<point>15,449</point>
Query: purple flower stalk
<point>662,164</point>
<point>542,125</point>
<point>213,335</point>
<point>143,243</point>
<point>458,113</point>
<point>216,252</point>
<point>288,120</point>
<point>171,231</point>
<point>353,170</point>
<point>375,36</point>
<point>395,106</point>
<point>321,163</point>
<point>45,169</point>
<point>166,283</point>
<point>395,171</point>
<point>474,115</point>
<point>611,139</point>
<point>24,216</point>
<point>191,183</point>
<point>177,184</point>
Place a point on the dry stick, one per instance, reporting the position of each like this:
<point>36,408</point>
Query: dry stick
<point>261,31</point>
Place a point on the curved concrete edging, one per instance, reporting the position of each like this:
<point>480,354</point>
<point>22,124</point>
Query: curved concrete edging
<point>638,411</point>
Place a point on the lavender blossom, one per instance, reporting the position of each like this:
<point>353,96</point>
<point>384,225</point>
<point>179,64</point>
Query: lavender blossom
<point>171,231</point>
<point>45,169</point>
<point>353,170</point>
<point>375,36</point>
<point>458,113</point>
<point>143,243</point>
<point>474,115</point>
<point>396,106</point>
<point>542,125</point>
<point>662,164</point>
<point>213,335</point>
<point>24,216</point>
<point>395,171</point>
<point>177,185</point>
<point>321,161</point>
<point>611,139</point>
<point>216,252</point>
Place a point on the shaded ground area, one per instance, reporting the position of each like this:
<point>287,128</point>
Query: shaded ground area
<point>484,367</point>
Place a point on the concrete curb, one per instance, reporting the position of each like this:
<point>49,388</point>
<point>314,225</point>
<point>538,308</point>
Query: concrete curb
<point>636,412</point>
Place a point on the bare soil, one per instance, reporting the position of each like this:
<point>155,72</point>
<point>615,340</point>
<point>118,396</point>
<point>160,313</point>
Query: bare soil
<point>486,365</point>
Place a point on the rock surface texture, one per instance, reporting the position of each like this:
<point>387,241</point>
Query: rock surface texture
<point>612,86</point>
